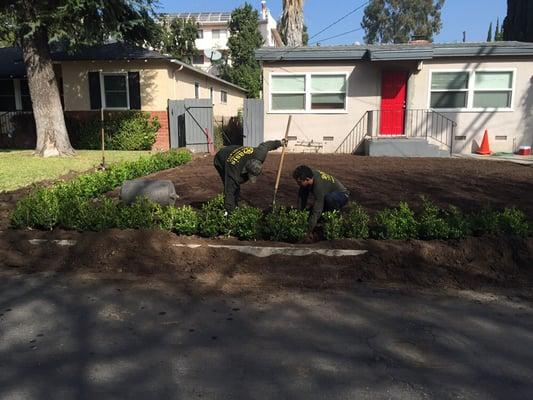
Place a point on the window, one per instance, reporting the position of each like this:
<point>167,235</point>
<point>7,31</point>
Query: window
<point>196,90</point>
<point>200,34</point>
<point>7,95</point>
<point>471,90</point>
<point>211,91</point>
<point>328,92</point>
<point>288,92</point>
<point>308,92</point>
<point>25,97</point>
<point>493,89</point>
<point>115,90</point>
<point>223,96</point>
<point>198,59</point>
<point>449,89</point>
<point>219,34</point>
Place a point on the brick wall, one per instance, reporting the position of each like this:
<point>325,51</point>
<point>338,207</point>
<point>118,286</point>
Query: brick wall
<point>162,141</point>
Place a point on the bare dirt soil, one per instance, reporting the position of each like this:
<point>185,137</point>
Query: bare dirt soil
<point>373,182</point>
<point>470,264</point>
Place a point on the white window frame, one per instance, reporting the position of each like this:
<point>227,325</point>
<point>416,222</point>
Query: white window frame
<point>102,90</point>
<point>221,100</point>
<point>200,34</point>
<point>308,91</point>
<point>472,89</point>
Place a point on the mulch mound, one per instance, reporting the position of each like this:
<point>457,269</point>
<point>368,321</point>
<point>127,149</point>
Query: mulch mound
<point>469,264</point>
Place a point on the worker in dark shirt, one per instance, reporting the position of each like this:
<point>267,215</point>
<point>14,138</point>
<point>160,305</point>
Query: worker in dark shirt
<point>238,164</point>
<point>328,192</point>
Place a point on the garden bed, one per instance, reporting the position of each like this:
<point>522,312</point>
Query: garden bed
<point>473,263</point>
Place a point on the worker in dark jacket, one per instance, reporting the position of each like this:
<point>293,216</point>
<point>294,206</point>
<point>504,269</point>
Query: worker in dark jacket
<point>328,192</point>
<point>238,164</point>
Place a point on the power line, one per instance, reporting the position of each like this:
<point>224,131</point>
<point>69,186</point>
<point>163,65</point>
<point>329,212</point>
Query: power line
<point>336,36</point>
<point>340,19</point>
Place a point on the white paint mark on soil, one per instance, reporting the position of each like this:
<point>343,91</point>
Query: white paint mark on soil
<point>59,242</point>
<point>260,251</point>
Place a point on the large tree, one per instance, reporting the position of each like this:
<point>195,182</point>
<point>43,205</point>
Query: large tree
<point>35,25</point>
<point>178,38</point>
<point>518,24</point>
<point>243,69</point>
<point>291,26</point>
<point>398,21</point>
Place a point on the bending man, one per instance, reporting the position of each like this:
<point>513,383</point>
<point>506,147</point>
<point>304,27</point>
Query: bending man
<point>237,165</point>
<point>328,192</point>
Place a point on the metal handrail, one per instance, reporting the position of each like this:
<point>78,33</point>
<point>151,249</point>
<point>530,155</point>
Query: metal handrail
<point>421,123</point>
<point>349,138</point>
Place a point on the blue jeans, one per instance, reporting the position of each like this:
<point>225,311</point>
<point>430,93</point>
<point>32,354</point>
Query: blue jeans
<point>335,201</point>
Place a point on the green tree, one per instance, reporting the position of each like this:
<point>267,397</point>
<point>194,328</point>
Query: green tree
<point>305,36</point>
<point>398,21</point>
<point>36,24</point>
<point>243,69</point>
<point>489,34</point>
<point>518,24</point>
<point>178,38</point>
<point>498,34</point>
<point>291,25</point>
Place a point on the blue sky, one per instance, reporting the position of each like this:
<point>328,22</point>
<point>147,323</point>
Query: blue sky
<point>472,16</point>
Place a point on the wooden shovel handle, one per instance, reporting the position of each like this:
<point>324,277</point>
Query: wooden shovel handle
<point>281,160</point>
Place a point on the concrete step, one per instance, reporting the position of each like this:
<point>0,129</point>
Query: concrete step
<point>402,147</point>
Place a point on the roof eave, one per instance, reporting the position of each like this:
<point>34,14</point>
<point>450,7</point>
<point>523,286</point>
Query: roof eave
<point>200,72</point>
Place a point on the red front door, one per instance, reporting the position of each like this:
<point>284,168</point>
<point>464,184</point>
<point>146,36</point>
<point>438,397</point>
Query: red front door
<point>393,92</point>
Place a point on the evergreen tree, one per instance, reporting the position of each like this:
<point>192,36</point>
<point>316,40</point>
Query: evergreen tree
<point>498,34</point>
<point>489,34</point>
<point>398,21</point>
<point>178,38</point>
<point>518,24</point>
<point>244,70</point>
<point>35,24</point>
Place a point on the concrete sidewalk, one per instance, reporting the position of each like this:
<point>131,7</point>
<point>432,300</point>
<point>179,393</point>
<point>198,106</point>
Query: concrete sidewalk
<point>79,338</point>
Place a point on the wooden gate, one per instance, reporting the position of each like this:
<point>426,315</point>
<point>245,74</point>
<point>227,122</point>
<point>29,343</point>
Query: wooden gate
<point>191,124</point>
<point>253,122</point>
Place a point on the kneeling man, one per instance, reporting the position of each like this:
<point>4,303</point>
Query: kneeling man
<point>328,192</point>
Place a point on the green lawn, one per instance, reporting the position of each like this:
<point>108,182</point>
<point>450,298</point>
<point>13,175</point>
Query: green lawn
<point>19,168</point>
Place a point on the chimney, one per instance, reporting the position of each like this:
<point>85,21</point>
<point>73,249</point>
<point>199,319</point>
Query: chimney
<point>264,10</point>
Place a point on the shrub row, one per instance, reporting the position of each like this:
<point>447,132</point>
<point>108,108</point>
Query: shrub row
<point>280,224</point>
<point>401,223</point>
<point>65,202</point>
<point>128,130</point>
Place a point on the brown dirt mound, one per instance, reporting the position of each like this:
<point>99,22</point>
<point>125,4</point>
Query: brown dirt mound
<point>468,264</point>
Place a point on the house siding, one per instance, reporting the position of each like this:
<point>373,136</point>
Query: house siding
<point>159,81</point>
<point>185,80</point>
<point>364,93</point>
<point>516,125</point>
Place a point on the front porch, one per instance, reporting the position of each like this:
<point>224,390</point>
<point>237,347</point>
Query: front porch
<point>400,133</point>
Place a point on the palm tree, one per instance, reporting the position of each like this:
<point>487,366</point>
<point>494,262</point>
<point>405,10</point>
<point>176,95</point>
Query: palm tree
<point>292,22</point>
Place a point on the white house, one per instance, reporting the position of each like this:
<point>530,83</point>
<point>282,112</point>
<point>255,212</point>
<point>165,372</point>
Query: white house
<point>423,99</point>
<point>213,32</point>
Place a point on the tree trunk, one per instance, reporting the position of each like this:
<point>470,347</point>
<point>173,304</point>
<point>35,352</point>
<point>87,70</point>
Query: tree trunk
<point>292,22</point>
<point>52,136</point>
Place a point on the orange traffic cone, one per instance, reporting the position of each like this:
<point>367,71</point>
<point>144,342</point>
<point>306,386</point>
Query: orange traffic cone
<point>484,149</point>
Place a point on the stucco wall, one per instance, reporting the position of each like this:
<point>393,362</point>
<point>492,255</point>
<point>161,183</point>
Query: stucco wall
<point>364,93</point>
<point>184,89</point>
<point>154,79</point>
<point>516,125</point>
